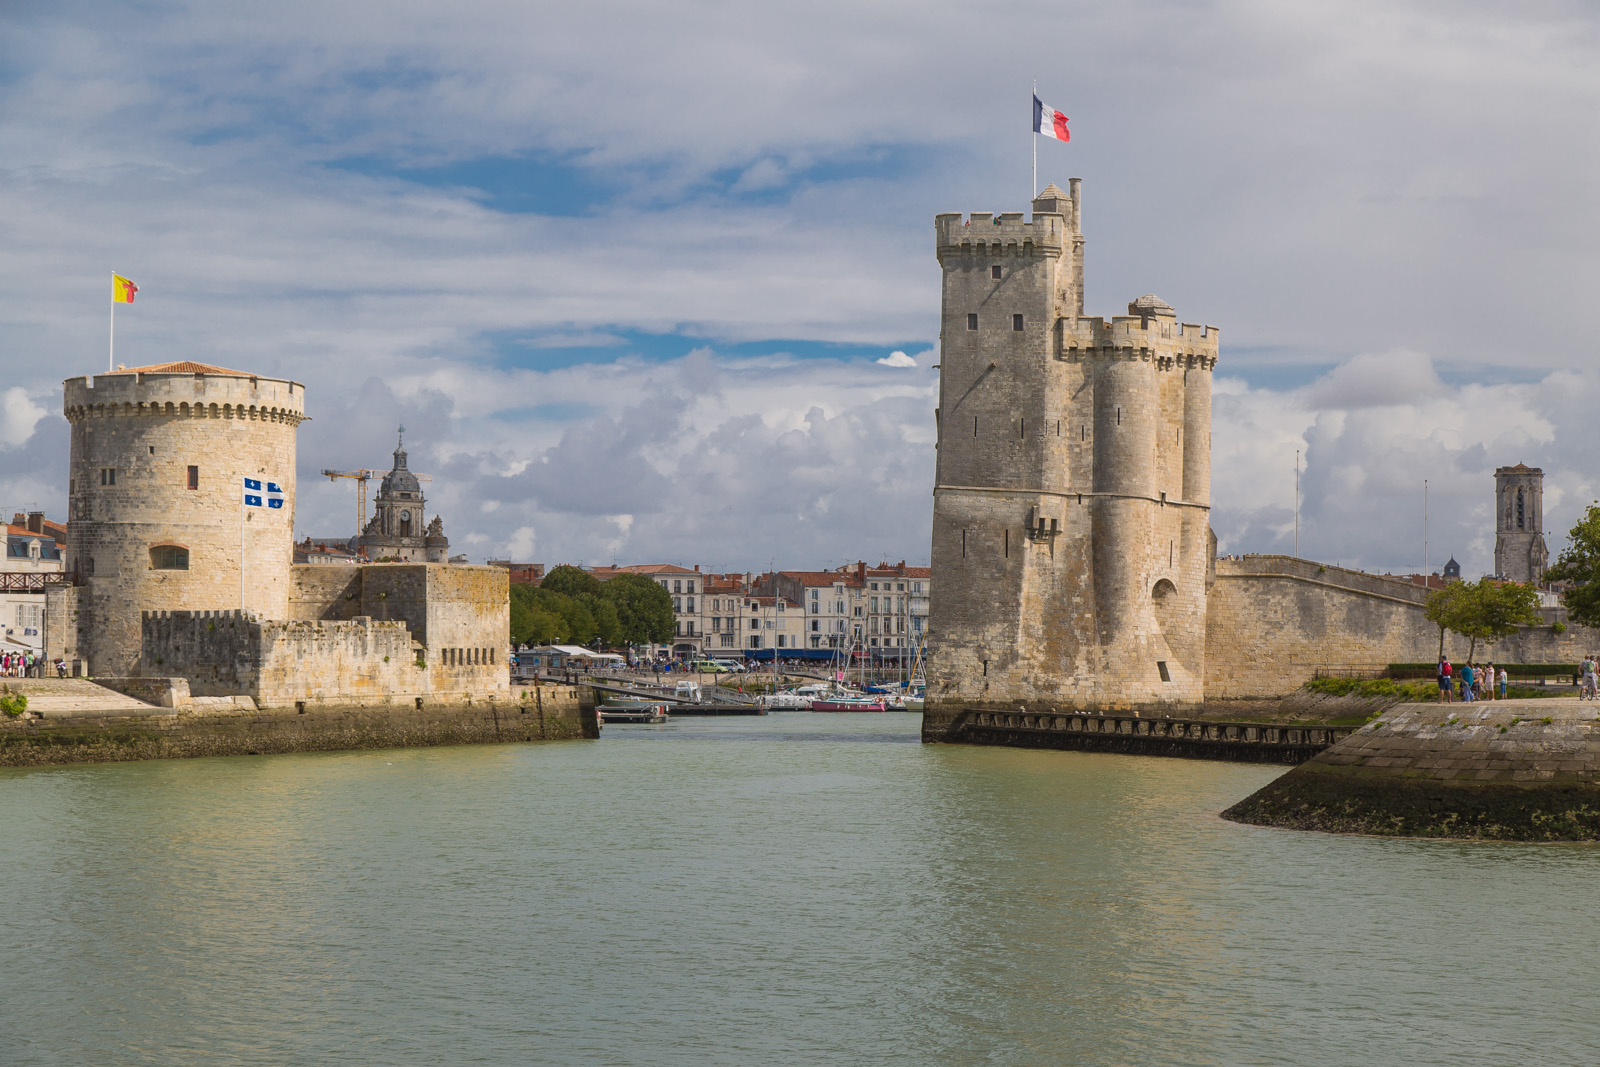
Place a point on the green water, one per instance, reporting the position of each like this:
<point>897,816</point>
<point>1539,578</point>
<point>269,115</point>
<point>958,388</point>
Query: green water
<point>795,889</point>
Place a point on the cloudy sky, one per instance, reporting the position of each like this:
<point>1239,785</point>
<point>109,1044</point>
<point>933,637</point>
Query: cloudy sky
<point>635,276</point>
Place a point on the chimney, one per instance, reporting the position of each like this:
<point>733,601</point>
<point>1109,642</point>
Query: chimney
<point>36,521</point>
<point>861,571</point>
<point>697,568</point>
<point>19,519</point>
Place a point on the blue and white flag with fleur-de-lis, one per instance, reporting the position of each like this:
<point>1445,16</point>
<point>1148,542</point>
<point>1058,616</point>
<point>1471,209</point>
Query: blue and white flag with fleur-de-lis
<point>256,496</point>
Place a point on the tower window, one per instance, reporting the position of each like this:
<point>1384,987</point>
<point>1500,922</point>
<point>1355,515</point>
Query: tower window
<point>169,558</point>
<point>108,476</point>
<point>1519,509</point>
<point>194,477</point>
<point>152,449</point>
<point>1016,323</point>
<point>994,272</point>
<point>972,320</point>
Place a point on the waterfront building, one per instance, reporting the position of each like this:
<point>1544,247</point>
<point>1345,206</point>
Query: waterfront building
<point>34,558</point>
<point>684,585</point>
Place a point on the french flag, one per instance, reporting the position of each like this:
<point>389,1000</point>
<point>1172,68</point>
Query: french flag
<point>1049,121</point>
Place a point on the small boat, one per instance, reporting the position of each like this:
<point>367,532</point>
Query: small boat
<point>787,701</point>
<point>646,713</point>
<point>849,702</point>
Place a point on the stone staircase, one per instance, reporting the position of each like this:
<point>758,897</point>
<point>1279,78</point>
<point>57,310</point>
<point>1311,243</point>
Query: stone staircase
<point>54,697</point>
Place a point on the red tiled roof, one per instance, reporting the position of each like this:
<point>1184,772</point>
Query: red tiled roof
<point>819,578</point>
<point>184,366</point>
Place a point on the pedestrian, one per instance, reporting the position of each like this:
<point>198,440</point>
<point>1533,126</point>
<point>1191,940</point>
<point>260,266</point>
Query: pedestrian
<point>1446,683</point>
<point>1502,683</point>
<point>1487,687</point>
<point>1588,677</point>
<point>1466,682</point>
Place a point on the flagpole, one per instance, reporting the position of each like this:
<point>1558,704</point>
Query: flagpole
<point>1035,191</point>
<point>111,356</point>
<point>239,488</point>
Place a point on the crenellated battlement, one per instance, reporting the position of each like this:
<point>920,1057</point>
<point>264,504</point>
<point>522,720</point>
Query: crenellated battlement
<point>1148,338</point>
<point>985,234</point>
<point>189,394</point>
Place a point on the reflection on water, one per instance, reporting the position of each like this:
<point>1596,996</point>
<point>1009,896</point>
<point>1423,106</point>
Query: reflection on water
<point>794,888</point>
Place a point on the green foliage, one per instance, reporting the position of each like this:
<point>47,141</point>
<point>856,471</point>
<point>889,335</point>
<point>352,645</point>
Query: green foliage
<point>1547,720</point>
<point>570,582</point>
<point>13,704</point>
<point>1376,688</point>
<point>1559,627</point>
<point>644,609</point>
<point>1481,611</point>
<point>571,607</point>
<point>1579,563</point>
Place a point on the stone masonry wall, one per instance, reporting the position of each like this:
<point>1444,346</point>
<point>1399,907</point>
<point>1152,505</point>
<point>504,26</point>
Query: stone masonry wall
<point>1273,622</point>
<point>460,614</point>
<point>222,653</point>
<point>532,713</point>
<point>133,439</point>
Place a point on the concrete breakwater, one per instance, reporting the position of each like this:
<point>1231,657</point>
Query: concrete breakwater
<point>79,728</point>
<point>1524,770</point>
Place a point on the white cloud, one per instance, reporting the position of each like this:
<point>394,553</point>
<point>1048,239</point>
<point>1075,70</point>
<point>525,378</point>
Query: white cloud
<point>520,548</point>
<point>1373,188</point>
<point>18,416</point>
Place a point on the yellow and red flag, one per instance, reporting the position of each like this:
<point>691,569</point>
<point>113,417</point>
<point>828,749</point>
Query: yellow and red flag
<point>122,290</point>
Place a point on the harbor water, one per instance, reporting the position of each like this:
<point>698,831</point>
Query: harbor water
<point>792,889</point>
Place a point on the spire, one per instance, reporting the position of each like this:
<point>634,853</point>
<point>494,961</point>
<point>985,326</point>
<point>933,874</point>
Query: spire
<point>400,451</point>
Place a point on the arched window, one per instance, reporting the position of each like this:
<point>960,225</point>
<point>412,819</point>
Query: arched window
<point>169,558</point>
<point>1519,509</point>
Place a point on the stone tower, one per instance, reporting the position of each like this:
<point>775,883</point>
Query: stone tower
<point>157,520</point>
<point>1071,540</point>
<point>397,530</point>
<point>1520,553</point>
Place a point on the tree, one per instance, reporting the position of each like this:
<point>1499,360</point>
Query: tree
<point>1448,609</point>
<point>570,581</point>
<point>532,620</point>
<point>1579,563</point>
<point>1482,611</point>
<point>644,609</point>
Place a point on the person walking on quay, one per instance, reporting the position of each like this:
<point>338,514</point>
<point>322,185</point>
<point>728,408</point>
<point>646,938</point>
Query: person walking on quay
<point>1587,690</point>
<point>1466,682</point>
<point>1502,683</point>
<point>1486,683</point>
<point>1446,683</point>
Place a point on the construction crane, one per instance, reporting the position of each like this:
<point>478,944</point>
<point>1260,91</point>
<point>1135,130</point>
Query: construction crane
<point>362,477</point>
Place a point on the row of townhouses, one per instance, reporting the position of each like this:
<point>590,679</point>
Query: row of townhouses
<point>881,611</point>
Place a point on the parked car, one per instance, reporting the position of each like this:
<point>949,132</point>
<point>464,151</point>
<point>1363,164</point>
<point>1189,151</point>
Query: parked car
<point>708,666</point>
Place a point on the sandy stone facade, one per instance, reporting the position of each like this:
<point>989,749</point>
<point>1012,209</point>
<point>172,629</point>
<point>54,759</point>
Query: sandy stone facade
<point>1076,568</point>
<point>167,463</point>
<point>155,499</point>
<point>1070,534</point>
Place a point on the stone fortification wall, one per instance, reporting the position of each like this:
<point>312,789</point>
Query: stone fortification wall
<point>532,713</point>
<point>461,614</point>
<point>135,437</point>
<point>221,653</point>
<point>1273,622</point>
<point>325,592</point>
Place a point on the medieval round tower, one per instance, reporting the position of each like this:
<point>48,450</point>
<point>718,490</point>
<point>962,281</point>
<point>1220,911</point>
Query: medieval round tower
<point>1071,535</point>
<point>181,497</point>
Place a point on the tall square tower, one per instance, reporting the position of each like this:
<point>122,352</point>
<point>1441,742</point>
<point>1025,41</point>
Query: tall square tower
<point>1070,535</point>
<point>1520,553</point>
